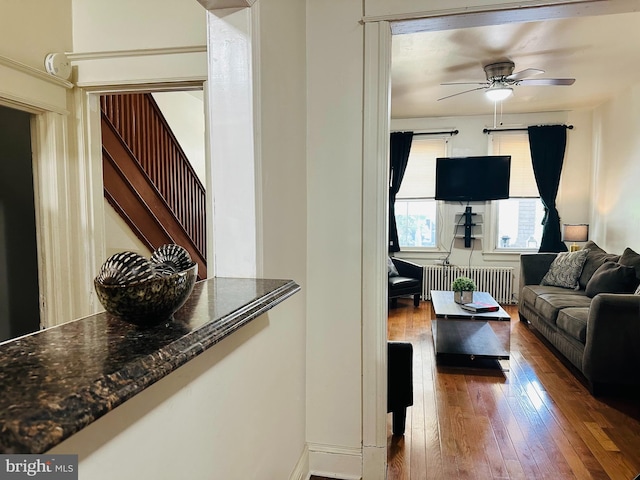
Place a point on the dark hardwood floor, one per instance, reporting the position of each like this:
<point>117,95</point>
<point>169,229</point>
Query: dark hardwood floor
<point>535,421</point>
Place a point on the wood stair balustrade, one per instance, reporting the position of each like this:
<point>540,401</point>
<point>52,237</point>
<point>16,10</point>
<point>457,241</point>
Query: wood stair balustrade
<point>148,179</point>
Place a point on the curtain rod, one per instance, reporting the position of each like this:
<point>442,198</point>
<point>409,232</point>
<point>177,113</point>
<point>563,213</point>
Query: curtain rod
<point>490,130</point>
<point>451,132</point>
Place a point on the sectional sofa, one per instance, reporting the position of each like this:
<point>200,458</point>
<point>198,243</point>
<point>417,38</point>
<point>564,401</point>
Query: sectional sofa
<point>587,305</point>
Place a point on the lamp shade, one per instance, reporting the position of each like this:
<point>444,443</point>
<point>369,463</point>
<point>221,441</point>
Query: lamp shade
<point>576,233</point>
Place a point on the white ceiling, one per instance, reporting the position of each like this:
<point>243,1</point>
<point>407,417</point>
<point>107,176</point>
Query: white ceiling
<point>602,53</point>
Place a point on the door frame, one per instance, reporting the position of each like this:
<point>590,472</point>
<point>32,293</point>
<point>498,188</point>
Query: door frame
<point>377,114</point>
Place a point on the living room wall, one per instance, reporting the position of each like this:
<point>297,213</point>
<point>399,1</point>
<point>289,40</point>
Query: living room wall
<point>615,216</point>
<point>573,195</point>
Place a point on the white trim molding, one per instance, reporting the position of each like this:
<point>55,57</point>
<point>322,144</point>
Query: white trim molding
<point>67,187</point>
<point>232,132</point>
<point>222,4</point>
<point>376,117</point>
<point>301,470</point>
<point>161,84</point>
<point>34,72</point>
<point>139,66</point>
<point>335,460</point>
<point>140,52</point>
<point>31,90</point>
<point>420,20</point>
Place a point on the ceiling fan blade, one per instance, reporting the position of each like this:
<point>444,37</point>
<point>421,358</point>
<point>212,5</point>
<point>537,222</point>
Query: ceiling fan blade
<point>465,83</point>
<point>524,74</point>
<point>460,93</point>
<point>547,81</point>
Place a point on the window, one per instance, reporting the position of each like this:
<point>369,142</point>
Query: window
<point>415,207</point>
<point>519,219</point>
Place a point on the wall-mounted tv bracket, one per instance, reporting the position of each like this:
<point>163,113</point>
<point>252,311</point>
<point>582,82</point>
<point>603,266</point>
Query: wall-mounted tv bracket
<point>468,223</point>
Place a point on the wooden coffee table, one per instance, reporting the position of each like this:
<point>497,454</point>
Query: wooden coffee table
<point>469,339</point>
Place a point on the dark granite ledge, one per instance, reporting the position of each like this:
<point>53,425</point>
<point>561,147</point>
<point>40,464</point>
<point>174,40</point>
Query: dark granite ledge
<point>57,381</point>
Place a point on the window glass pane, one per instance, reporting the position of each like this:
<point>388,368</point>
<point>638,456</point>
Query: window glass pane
<point>519,223</point>
<point>416,222</point>
<point>419,179</point>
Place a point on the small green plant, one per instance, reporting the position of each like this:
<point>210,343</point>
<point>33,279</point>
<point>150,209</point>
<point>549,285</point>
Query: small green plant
<point>463,284</point>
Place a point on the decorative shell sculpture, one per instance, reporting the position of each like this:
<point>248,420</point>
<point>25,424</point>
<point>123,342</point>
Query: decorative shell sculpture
<point>171,257</point>
<point>146,292</point>
<point>125,267</point>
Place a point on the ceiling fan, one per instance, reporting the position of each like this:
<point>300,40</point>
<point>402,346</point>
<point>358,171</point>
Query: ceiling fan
<point>501,80</point>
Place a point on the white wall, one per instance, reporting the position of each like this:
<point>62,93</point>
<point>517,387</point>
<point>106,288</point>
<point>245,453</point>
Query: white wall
<point>334,212</point>
<point>283,146</point>
<point>184,112</point>
<point>122,25</point>
<point>33,29</point>
<point>112,27</point>
<point>615,221</point>
<point>118,235</point>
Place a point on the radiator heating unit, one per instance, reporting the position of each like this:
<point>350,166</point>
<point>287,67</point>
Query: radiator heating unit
<point>498,281</point>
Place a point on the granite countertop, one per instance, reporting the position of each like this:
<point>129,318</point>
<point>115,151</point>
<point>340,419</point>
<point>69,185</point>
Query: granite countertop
<point>57,381</point>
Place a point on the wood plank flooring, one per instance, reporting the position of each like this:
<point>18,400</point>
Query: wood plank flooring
<point>536,421</point>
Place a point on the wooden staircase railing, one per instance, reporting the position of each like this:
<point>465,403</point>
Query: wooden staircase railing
<point>148,178</point>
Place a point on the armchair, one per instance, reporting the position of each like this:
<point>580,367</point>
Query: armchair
<point>407,281</point>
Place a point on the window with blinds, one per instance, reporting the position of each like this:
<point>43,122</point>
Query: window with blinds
<point>419,180</point>
<point>415,207</point>
<point>522,182</point>
<point>518,220</point>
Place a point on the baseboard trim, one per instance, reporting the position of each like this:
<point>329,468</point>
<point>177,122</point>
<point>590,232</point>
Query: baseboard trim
<point>335,461</point>
<point>301,470</point>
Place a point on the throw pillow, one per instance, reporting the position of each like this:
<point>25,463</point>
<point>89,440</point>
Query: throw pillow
<point>596,257</point>
<point>391,268</point>
<point>612,277</point>
<point>565,269</point>
<point>630,259</point>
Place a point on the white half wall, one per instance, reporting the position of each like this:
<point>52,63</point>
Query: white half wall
<point>227,414</point>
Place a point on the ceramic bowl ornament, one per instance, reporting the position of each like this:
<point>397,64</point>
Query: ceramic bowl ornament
<point>143,293</point>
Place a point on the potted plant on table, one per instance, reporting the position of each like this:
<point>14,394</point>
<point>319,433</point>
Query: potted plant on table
<point>463,288</point>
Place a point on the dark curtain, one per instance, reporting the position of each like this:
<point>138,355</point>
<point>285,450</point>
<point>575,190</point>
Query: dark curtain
<point>547,144</point>
<point>399,148</point>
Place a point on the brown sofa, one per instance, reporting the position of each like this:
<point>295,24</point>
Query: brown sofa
<point>595,325</point>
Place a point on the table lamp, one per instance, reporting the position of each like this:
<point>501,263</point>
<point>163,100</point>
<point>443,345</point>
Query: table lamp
<point>575,233</point>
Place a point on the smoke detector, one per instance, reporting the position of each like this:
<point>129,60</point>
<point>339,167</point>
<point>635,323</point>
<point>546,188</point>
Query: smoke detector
<point>58,64</point>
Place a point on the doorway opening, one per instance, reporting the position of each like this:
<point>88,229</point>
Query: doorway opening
<point>19,288</point>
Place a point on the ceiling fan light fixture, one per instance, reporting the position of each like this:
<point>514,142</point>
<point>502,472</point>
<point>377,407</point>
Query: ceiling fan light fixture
<point>497,93</point>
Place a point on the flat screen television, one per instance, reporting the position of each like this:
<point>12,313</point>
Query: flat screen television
<point>473,178</point>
